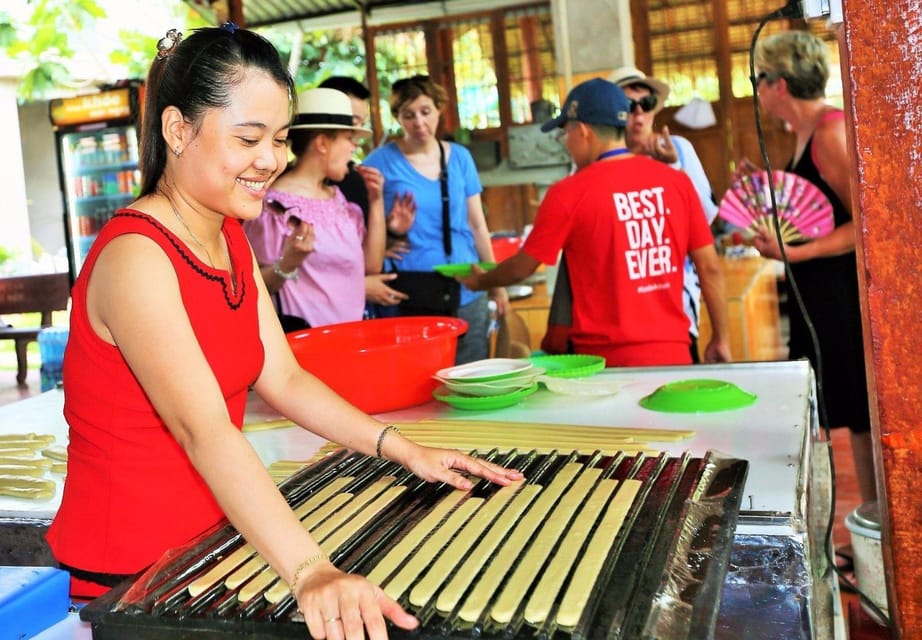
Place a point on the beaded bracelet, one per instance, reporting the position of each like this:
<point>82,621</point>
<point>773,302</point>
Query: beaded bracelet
<point>304,565</point>
<point>390,427</point>
<point>286,275</point>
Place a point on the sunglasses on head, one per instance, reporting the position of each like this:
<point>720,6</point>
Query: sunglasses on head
<point>647,104</point>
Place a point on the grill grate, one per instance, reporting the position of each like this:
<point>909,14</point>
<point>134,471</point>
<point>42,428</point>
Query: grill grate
<point>589,546</point>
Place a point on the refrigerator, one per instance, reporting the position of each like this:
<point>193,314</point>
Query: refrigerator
<point>96,142</point>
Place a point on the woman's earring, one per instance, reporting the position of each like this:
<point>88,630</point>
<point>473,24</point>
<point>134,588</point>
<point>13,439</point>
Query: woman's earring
<point>177,152</point>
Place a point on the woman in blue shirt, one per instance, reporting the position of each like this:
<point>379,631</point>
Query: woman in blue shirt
<point>412,166</point>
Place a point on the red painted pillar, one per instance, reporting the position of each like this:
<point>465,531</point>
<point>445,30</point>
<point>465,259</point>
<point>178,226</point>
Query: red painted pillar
<point>880,44</point>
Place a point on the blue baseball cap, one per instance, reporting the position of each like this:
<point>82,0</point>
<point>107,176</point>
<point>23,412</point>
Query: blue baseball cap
<point>595,101</point>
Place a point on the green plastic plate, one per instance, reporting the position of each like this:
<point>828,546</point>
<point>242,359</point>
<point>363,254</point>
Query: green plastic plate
<point>483,403</point>
<point>697,395</point>
<point>461,270</point>
<point>569,365</point>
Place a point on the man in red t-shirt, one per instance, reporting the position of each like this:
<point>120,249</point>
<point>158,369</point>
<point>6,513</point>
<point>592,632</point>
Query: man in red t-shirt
<point>625,223</point>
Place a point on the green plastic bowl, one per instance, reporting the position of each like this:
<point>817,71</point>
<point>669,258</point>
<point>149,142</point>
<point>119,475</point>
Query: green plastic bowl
<point>697,395</point>
<point>569,365</point>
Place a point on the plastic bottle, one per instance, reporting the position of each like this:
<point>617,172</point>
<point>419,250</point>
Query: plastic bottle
<point>51,343</point>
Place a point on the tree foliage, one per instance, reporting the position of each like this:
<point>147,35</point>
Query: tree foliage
<point>43,44</point>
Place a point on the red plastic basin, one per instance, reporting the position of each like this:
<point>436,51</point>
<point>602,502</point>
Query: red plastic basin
<point>383,364</point>
<point>505,246</point>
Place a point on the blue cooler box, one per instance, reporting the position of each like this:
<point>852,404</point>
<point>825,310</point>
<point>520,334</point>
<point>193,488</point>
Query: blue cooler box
<point>31,600</point>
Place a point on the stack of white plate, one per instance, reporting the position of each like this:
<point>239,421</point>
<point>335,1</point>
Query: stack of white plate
<point>490,377</point>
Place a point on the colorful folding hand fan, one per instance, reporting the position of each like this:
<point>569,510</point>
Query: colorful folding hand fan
<point>804,212</point>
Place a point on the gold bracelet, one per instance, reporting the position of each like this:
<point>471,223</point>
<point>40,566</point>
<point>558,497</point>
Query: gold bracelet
<point>304,565</point>
<point>390,427</point>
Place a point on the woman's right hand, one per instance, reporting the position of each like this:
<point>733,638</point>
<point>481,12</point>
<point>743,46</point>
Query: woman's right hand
<point>378,292</point>
<point>344,605</point>
<point>297,245</point>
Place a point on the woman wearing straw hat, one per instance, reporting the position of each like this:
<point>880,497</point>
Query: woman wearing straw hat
<point>310,241</point>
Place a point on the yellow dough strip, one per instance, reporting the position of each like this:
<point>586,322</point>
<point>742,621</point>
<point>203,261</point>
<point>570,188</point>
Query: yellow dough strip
<point>229,563</point>
<point>220,570</point>
<point>451,595</point>
<point>30,470</point>
<point>537,428</point>
<point>55,453</point>
<point>542,598</point>
<point>259,584</point>
<point>530,444</point>
<point>320,498</point>
<point>402,550</point>
<point>431,548</point>
<point>331,524</point>
<point>44,438</point>
<point>459,548</point>
<point>478,599</point>
<point>338,538</point>
<point>267,425</point>
<point>341,535</point>
<point>587,572</point>
<point>252,566</point>
<point>26,487</point>
<point>320,529</point>
<point>18,452</point>
<point>516,587</point>
<point>42,463</point>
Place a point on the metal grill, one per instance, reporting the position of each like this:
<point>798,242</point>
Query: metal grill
<point>589,546</point>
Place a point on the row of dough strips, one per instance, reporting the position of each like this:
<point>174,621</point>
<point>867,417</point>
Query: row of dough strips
<point>587,546</point>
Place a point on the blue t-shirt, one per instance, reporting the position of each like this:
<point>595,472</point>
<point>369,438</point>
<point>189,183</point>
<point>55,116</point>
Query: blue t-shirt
<point>425,236</point>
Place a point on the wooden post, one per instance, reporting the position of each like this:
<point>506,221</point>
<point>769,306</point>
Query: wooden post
<point>881,67</point>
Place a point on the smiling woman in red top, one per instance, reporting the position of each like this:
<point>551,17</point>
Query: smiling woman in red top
<point>172,324</point>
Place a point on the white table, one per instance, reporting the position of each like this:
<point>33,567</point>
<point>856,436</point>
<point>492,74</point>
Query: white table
<point>773,434</point>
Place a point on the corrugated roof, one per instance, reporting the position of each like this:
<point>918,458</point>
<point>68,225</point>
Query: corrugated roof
<point>260,13</point>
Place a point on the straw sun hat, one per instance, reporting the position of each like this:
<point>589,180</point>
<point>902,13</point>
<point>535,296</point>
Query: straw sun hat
<point>626,76</point>
<point>325,109</point>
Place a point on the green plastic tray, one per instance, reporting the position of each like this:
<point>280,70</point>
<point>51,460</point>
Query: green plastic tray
<point>483,403</point>
<point>461,270</point>
<point>569,365</point>
<point>697,395</point>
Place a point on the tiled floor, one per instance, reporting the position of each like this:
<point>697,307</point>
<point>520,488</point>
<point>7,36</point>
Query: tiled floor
<point>847,499</point>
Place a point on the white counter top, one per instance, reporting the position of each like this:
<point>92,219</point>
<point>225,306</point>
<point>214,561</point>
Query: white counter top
<point>771,434</point>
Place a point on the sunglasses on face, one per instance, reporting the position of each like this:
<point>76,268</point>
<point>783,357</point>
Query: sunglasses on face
<point>646,104</point>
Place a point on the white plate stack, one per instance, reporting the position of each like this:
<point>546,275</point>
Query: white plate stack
<point>490,377</point>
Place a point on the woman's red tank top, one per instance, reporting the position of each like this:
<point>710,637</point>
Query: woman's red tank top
<point>131,492</point>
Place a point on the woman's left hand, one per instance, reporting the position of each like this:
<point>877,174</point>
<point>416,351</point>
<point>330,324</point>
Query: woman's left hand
<point>445,465</point>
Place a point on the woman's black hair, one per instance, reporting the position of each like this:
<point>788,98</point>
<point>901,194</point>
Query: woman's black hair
<point>194,75</point>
